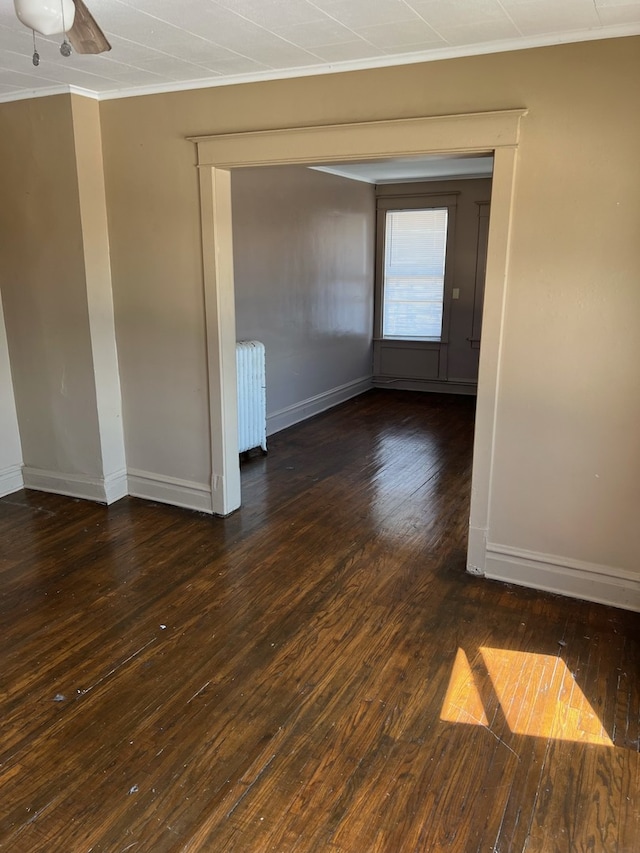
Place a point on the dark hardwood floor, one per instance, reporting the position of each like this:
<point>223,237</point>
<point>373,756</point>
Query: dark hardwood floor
<point>315,673</point>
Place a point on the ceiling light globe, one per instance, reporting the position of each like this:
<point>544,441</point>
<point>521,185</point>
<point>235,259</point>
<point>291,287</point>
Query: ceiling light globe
<point>47,17</point>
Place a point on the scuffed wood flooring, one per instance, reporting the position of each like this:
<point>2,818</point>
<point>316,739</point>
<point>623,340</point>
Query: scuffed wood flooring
<point>316,673</point>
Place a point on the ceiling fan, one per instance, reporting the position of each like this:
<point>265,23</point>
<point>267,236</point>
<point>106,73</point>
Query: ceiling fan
<point>70,18</point>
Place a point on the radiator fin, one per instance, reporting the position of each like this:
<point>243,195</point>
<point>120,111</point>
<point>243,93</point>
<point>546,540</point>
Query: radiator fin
<point>252,403</point>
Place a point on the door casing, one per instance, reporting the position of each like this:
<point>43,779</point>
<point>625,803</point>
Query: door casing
<point>496,132</point>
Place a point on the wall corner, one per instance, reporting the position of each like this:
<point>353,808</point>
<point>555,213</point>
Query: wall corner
<point>477,553</point>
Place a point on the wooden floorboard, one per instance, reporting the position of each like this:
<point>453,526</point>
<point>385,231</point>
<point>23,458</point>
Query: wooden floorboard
<point>315,673</point>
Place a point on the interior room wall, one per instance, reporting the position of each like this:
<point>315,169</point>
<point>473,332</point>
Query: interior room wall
<point>303,262</point>
<point>152,206</point>
<point>564,486</point>
<point>43,289</point>
<point>10,449</point>
<point>48,276</point>
<point>97,265</point>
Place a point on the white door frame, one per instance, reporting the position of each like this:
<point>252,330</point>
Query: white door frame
<point>461,134</point>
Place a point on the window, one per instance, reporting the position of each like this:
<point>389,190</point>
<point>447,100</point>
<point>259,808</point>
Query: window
<point>415,243</point>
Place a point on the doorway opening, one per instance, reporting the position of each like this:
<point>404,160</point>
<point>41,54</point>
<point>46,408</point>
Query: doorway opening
<point>495,132</point>
<point>335,316</point>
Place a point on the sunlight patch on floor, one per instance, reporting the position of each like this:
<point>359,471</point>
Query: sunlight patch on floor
<point>463,704</point>
<point>537,694</point>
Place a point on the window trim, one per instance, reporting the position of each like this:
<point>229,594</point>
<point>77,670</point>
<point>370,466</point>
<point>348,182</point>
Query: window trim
<point>415,202</point>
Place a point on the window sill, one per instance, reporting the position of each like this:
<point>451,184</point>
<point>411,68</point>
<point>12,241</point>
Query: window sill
<point>411,342</point>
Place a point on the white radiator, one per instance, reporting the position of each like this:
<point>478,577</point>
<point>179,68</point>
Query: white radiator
<point>252,403</point>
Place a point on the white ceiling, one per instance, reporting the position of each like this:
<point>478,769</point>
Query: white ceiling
<point>163,45</point>
<point>409,169</point>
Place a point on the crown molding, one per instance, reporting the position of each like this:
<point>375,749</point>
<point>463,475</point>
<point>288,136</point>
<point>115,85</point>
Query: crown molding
<point>504,46</point>
<point>49,91</point>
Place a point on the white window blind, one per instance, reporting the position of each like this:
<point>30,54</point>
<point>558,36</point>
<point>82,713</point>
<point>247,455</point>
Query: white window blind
<point>413,285</point>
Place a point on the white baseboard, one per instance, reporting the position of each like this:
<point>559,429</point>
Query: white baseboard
<point>170,490</point>
<point>431,385</point>
<point>477,550</point>
<point>76,485</point>
<point>298,412</point>
<point>588,581</point>
<point>11,480</point>
<point>116,486</point>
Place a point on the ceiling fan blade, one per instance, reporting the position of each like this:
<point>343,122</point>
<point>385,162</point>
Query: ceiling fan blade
<point>85,35</point>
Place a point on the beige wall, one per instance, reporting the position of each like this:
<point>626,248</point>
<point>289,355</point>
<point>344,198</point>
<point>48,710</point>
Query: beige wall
<point>97,268</point>
<point>43,288</point>
<point>156,264</point>
<point>568,403</point>
<point>303,262</point>
<point>54,277</point>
